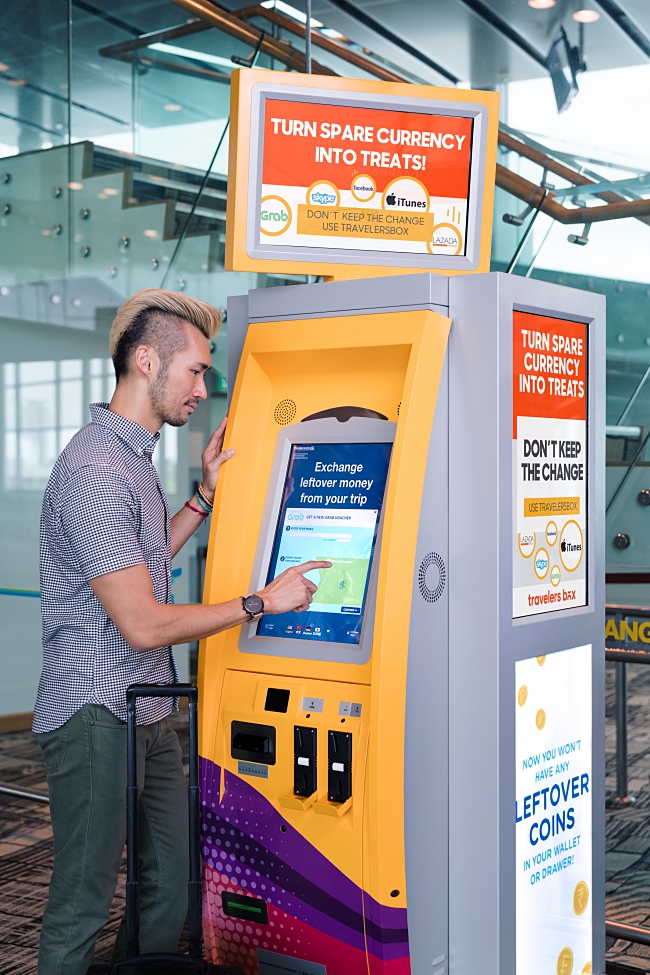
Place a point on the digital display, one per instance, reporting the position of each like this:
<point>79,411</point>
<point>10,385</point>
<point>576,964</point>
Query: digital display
<point>331,504</point>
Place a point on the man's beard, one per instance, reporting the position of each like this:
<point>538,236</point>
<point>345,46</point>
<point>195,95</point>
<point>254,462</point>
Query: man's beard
<point>157,394</point>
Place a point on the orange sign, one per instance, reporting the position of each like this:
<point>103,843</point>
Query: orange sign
<point>329,175</point>
<point>308,142</point>
<point>549,368</point>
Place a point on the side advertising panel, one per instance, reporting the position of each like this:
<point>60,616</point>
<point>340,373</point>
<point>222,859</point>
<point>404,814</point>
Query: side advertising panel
<point>549,464</point>
<point>553,813</point>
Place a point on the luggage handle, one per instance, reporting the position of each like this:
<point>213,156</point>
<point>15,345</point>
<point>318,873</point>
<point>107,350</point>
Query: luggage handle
<point>134,691</point>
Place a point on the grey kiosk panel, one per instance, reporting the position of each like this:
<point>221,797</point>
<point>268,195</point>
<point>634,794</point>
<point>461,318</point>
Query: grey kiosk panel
<point>460,788</point>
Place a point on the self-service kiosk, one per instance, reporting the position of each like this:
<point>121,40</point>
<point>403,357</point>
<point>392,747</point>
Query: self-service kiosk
<point>409,777</point>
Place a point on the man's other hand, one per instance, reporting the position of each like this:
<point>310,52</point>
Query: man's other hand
<point>213,457</point>
<point>290,591</point>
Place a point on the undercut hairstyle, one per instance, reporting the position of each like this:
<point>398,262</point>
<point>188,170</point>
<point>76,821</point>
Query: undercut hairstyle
<point>150,317</point>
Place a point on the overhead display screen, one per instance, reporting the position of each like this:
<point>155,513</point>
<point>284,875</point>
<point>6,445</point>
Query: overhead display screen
<point>338,176</point>
<point>331,504</point>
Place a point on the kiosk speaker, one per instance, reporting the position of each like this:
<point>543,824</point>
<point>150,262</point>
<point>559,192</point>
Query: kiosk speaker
<point>285,412</point>
<point>428,594</point>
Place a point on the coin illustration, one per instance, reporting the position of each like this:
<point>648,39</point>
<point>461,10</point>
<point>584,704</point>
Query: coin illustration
<point>540,719</point>
<point>565,962</point>
<point>541,661</point>
<point>580,898</point>
<point>522,695</point>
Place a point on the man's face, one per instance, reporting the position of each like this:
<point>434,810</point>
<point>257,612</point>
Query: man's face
<point>179,384</point>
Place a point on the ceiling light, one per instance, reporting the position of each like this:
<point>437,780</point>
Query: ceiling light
<point>172,107</point>
<point>150,233</point>
<point>75,186</point>
<point>186,52</point>
<point>541,4</point>
<point>111,191</point>
<point>3,66</point>
<point>286,8</point>
<point>586,16</point>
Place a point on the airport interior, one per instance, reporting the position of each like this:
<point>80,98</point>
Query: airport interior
<point>480,378</point>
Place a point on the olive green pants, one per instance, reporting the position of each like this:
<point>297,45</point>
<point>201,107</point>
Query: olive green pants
<point>86,775</point>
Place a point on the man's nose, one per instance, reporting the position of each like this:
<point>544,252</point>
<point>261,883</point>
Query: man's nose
<point>200,390</point>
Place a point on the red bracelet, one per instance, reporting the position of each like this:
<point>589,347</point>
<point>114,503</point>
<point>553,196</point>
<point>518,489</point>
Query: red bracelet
<point>204,514</point>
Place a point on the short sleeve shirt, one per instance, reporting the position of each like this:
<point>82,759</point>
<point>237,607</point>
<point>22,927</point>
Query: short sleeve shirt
<point>104,509</point>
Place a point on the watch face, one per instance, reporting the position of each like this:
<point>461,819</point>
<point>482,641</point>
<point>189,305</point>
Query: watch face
<point>254,604</point>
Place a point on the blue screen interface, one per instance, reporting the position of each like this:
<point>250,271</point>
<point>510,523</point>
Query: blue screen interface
<point>330,511</point>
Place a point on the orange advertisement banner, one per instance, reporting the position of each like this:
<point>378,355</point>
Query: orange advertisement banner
<point>384,224</point>
<point>549,359</point>
<point>308,142</point>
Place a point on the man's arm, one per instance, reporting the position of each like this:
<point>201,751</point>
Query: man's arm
<point>127,596</point>
<point>185,522</point>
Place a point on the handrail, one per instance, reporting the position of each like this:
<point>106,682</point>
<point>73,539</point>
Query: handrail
<point>258,39</point>
<point>627,932</point>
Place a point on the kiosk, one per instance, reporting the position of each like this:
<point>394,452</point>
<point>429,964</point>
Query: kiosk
<point>410,776</point>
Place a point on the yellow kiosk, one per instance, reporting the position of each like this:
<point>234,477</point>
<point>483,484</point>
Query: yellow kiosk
<point>332,741</point>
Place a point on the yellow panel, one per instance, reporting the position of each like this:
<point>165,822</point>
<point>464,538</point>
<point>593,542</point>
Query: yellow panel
<point>390,363</point>
<point>242,82</point>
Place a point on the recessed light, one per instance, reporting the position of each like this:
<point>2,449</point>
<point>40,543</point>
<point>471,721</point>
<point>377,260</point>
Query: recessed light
<point>111,191</point>
<point>3,66</point>
<point>75,186</point>
<point>150,233</point>
<point>541,4</point>
<point>586,16</point>
<point>18,82</point>
<point>172,107</point>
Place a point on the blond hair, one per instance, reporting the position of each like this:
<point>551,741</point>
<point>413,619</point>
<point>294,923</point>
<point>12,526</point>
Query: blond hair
<point>199,313</point>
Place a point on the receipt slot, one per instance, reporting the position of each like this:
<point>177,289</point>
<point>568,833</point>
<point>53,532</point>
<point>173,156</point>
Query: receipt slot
<point>409,776</point>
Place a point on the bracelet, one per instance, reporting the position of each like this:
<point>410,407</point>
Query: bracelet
<point>204,514</point>
<point>202,504</point>
<point>200,493</point>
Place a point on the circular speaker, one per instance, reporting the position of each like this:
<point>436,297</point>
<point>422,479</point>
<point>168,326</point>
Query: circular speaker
<point>399,407</point>
<point>430,565</point>
<point>285,412</point>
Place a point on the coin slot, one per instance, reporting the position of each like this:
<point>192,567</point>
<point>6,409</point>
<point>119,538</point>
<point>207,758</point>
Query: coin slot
<point>304,761</point>
<point>339,775</point>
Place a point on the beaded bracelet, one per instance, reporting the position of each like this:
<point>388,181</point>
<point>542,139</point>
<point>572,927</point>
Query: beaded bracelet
<point>207,510</point>
<point>200,493</point>
<point>204,514</point>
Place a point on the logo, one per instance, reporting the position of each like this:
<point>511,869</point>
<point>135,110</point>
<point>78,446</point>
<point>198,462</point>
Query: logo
<point>296,517</point>
<point>541,563</point>
<point>555,575</point>
<point>363,188</point>
<point>551,533</point>
<point>571,545</point>
<point>446,239</point>
<point>406,193</point>
<point>322,193</point>
<point>527,544</point>
<point>275,216</point>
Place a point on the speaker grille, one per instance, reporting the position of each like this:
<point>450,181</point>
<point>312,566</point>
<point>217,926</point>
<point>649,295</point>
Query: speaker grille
<point>428,594</point>
<point>285,412</point>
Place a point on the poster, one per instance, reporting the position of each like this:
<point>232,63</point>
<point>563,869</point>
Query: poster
<point>550,464</point>
<point>336,176</point>
<point>553,813</point>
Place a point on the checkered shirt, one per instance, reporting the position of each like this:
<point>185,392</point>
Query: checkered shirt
<point>104,509</point>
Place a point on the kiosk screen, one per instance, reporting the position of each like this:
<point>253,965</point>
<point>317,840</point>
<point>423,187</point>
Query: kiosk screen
<point>330,511</point>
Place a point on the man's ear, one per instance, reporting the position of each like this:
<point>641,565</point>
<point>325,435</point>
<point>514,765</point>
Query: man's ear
<point>146,361</point>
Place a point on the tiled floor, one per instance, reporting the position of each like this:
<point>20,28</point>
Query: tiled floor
<point>26,843</point>
<point>26,857</point>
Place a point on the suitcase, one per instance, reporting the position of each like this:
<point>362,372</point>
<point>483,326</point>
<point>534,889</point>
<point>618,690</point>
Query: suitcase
<point>162,964</point>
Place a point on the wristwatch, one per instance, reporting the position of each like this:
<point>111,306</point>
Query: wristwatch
<point>254,606</point>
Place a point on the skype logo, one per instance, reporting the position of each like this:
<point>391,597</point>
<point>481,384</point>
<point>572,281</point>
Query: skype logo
<point>323,199</point>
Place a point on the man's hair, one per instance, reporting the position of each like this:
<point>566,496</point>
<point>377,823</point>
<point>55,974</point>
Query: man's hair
<point>148,318</point>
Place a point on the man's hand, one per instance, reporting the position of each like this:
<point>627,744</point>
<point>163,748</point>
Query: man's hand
<point>290,591</point>
<point>213,457</point>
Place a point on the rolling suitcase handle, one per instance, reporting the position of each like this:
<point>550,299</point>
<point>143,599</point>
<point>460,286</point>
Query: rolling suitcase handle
<point>132,871</point>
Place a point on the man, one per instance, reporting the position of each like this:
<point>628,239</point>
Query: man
<point>107,542</point>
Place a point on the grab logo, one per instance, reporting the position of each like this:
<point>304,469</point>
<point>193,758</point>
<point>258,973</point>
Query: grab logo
<point>275,216</point>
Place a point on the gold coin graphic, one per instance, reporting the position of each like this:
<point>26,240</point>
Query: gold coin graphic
<point>541,661</point>
<point>540,719</point>
<point>586,969</point>
<point>522,695</point>
<point>580,898</point>
<point>565,962</point>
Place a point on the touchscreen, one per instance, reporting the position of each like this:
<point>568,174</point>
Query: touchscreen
<point>330,510</point>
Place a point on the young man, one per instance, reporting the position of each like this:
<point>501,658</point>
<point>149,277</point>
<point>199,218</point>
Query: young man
<point>107,542</point>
